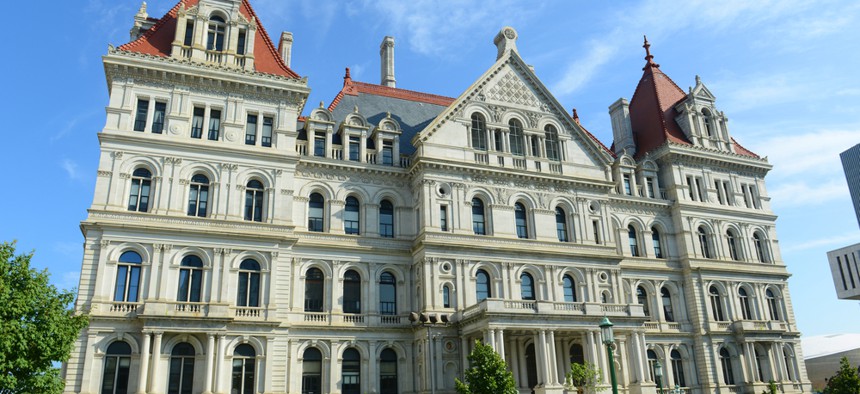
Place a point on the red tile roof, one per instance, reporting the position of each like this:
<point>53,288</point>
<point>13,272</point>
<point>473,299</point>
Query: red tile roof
<point>353,88</point>
<point>652,109</point>
<point>157,41</point>
<point>744,151</point>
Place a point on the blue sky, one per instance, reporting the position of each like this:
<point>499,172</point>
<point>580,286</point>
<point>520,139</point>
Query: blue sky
<point>784,72</point>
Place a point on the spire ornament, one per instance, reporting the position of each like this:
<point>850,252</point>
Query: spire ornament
<point>649,58</point>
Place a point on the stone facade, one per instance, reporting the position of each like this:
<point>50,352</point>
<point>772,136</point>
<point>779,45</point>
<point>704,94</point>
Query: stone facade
<point>234,247</point>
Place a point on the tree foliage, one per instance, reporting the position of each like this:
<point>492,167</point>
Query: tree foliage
<point>37,326</point>
<point>584,377</point>
<point>488,374</point>
<point>846,380</point>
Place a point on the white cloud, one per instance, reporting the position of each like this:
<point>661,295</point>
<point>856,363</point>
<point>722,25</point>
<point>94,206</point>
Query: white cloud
<point>821,242</point>
<point>807,155</point>
<point>582,70</point>
<point>71,168</point>
<point>807,192</point>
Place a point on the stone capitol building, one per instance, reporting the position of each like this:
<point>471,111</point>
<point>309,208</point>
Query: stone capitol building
<point>241,241</point>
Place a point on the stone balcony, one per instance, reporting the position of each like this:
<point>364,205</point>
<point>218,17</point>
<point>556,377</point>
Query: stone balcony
<point>181,310</point>
<point>551,308</point>
<point>750,326</point>
<point>339,319</point>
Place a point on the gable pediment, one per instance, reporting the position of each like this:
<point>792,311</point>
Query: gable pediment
<point>509,88</point>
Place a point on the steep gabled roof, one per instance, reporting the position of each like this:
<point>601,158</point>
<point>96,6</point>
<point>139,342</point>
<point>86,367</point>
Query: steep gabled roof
<point>652,108</point>
<point>157,41</point>
<point>412,110</point>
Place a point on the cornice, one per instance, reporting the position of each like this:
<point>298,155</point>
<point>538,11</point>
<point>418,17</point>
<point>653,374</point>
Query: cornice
<point>482,243</point>
<point>192,146</point>
<point>674,152</point>
<point>187,224</point>
<point>343,171</point>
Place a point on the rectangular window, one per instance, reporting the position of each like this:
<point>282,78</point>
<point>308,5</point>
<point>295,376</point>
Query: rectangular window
<point>251,130</point>
<point>319,144</point>
<point>443,217</point>
<point>596,228</point>
<point>140,117</point>
<point>649,187</point>
<point>388,153</point>
<point>266,138</point>
<point>189,34</point>
<point>158,117</point>
<point>627,188</point>
<point>720,196</point>
<point>727,192</point>
<point>197,122</point>
<point>699,189</point>
<point>535,146</point>
<point>354,148</point>
<point>240,50</point>
<point>497,137</point>
<point>214,124</point>
<point>690,188</point>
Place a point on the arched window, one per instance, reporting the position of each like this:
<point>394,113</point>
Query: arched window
<point>248,293</point>
<point>516,137</point>
<point>446,296</point>
<point>314,282</point>
<point>316,205</point>
<point>127,277</point>
<point>482,285</point>
<point>351,292</point>
<point>521,221</point>
<point>311,371</point>
<point>551,142</point>
<point>479,132</point>
<point>351,378</point>
<point>386,219</point>
<point>678,368</point>
<point>667,305</point>
<point>704,243</point>
<point>706,117</point>
<point>181,377</point>
<point>388,372</point>
<point>561,225</point>
<point>569,286</point>
<point>527,286</point>
<point>642,299</point>
<point>198,196</point>
<point>478,223</point>
<point>789,363</point>
<point>726,363</point>
<point>655,240</point>
<point>577,355</point>
<point>141,187</point>
<point>758,241</point>
<point>254,201</point>
<point>746,311</point>
<point>215,37</point>
<point>351,221</point>
<point>190,279</point>
<point>733,245</point>
<point>772,306</point>
<point>387,294</point>
<point>652,360</point>
<point>716,304</point>
<point>244,363</point>
<point>631,238</point>
<point>117,362</point>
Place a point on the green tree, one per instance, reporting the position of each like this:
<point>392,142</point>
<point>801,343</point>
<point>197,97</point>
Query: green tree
<point>37,326</point>
<point>846,380</point>
<point>583,377</point>
<point>488,374</point>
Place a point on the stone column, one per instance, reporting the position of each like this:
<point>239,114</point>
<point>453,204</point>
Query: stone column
<point>490,336</point>
<point>220,369</point>
<point>552,360</point>
<point>144,364</point>
<point>544,374</point>
<point>371,383</point>
<point>157,373</point>
<point>334,366</point>
<point>267,378</point>
<point>500,343</point>
<point>524,372</point>
<point>210,363</point>
<point>515,362</point>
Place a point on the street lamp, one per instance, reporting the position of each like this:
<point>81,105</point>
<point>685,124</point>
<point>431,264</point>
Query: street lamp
<point>658,371</point>
<point>608,340</point>
<point>427,321</point>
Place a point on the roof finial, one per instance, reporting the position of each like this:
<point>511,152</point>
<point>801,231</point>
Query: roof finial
<point>321,104</point>
<point>355,109</point>
<point>575,116</point>
<point>347,80</point>
<point>698,80</point>
<point>649,58</point>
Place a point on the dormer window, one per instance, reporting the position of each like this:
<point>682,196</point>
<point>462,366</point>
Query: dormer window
<point>240,49</point>
<point>189,33</point>
<point>388,153</point>
<point>706,117</point>
<point>215,38</point>
<point>551,141</point>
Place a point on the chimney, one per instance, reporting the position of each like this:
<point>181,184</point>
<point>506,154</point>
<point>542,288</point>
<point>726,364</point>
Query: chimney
<point>506,41</point>
<point>386,62</point>
<point>622,131</point>
<point>286,47</point>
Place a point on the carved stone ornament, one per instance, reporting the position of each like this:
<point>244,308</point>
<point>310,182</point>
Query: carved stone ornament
<point>105,174</point>
<point>176,129</point>
<point>231,136</point>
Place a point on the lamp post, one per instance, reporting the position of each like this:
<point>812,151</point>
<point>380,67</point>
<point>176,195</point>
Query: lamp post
<point>608,340</point>
<point>658,372</point>
<point>427,321</point>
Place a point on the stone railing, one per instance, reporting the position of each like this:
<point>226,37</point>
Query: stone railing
<point>347,319</point>
<point>495,305</point>
<point>302,148</point>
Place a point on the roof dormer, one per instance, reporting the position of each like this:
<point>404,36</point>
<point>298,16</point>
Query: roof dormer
<point>215,32</point>
<point>701,121</point>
